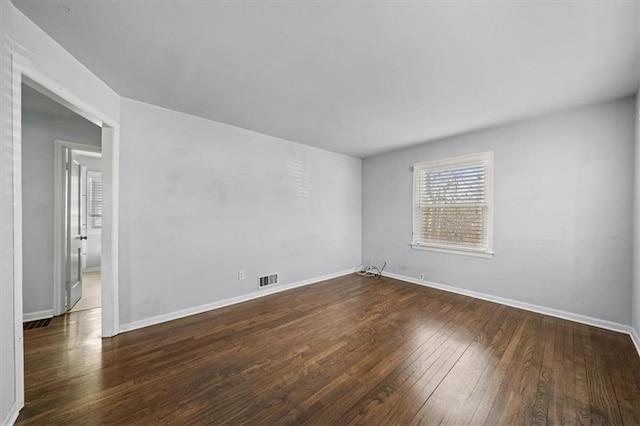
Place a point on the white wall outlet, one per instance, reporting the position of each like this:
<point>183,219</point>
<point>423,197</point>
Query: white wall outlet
<point>422,277</point>
<point>240,275</point>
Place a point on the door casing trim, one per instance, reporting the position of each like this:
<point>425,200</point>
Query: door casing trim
<point>23,70</point>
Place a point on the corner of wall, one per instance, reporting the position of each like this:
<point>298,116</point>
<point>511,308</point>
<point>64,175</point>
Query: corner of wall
<point>635,290</point>
<point>9,403</point>
<point>635,338</point>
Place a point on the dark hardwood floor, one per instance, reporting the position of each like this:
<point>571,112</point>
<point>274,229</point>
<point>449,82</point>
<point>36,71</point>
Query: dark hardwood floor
<point>349,350</point>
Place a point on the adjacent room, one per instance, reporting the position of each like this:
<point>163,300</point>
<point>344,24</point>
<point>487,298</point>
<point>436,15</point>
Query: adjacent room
<point>47,127</point>
<point>302,212</point>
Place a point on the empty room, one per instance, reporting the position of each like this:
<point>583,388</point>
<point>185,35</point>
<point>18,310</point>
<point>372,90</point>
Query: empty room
<point>320,212</point>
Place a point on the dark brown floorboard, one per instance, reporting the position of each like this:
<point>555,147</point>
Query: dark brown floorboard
<point>351,350</point>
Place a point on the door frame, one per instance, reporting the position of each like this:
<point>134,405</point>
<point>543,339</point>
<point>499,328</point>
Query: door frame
<point>23,71</point>
<point>59,265</point>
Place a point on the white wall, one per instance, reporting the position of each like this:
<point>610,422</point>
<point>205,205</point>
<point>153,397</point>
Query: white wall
<point>635,295</point>
<point>39,131</point>
<point>635,298</point>
<point>563,212</point>
<point>35,48</point>
<point>201,201</point>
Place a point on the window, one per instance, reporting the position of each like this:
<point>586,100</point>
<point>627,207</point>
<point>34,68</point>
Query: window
<point>453,205</point>
<point>95,199</point>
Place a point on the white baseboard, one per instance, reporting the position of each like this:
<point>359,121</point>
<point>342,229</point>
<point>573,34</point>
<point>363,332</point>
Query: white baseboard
<point>96,269</point>
<point>32,316</point>
<point>11,416</point>
<point>227,302</point>
<point>583,319</point>
<point>635,338</point>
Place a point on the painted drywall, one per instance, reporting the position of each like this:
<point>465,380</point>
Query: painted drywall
<point>635,298</point>
<point>30,45</point>
<point>204,200</point>
<point>92,163</point>
<point>563,212</point>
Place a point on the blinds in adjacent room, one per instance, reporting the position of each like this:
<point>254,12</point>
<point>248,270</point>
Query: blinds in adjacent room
<point>95,199</point>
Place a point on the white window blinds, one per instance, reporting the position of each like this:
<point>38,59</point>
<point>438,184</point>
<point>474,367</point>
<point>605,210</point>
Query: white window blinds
<point>453,204</point>
<point>95,199</point>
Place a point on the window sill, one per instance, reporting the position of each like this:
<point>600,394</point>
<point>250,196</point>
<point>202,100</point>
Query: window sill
<point>461,251</point>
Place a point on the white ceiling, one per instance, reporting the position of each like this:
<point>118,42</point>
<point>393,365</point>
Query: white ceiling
<point>356,77</point>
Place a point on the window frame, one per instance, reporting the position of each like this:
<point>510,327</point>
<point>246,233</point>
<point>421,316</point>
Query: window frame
<point>486,250</point>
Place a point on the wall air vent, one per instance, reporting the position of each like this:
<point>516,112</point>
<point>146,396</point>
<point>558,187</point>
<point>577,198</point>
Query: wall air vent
<point>267,280</point>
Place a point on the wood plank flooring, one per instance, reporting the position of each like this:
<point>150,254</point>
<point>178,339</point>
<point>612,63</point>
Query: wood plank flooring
<point>91,292</point>
<point>351,350</point>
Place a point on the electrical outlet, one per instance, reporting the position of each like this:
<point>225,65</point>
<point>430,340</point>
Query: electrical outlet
<point>240,275</point>
<point>422,276</point>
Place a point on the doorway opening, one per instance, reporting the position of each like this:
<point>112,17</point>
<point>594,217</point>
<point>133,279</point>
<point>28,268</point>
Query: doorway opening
<point>26,76</point>
<point>82,206</point>
<point>59,227</point>
<point>91,222</point>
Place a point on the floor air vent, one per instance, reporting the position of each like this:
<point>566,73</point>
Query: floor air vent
<point>267,280</point>
<point>30,325</point>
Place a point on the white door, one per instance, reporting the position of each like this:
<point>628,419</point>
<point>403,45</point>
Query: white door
<point>83,217</point>
<point>74,233</point>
